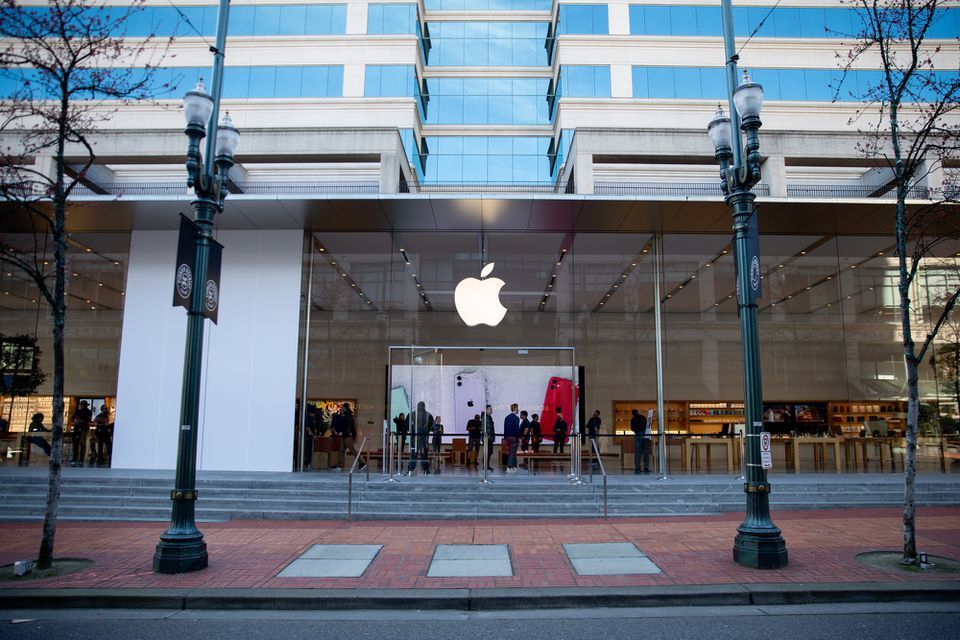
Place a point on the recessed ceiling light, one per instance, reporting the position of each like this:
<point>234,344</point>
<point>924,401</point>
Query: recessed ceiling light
<point>808,288</point>
<point>803,253</point>
<point>880,253</point>
<point>853,266</point>
<point>709,264</point>
<point>724,252</point>
<point>780,266</point>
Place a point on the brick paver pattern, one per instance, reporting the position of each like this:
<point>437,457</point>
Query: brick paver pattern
<point>822,545</point>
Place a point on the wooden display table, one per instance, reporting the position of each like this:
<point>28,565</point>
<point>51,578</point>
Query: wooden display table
<point>857,451</point>
<point>692,448</point>
<point>819,452</point>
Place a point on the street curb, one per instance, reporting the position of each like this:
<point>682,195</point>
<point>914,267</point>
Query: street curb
<point>478,599</point>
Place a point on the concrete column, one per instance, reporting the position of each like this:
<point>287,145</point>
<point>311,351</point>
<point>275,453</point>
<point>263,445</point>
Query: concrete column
<point>774,172</point>
<point>621,81</point>
<point>878,179</point>
<point>619,17</point>
<point>45,166</point>
<point>389,173</point>
<point>583,172</point>
<point>356,17</point>
<point>934,179</point>
<point>353,79</point>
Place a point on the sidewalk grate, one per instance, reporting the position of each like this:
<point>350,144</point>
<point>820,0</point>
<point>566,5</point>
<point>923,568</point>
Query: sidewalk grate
<point>608,559</point>
<point>332,561</point>
<point>470,561</point>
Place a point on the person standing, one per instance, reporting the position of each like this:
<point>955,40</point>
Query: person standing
<point>559,432</point>
<point>437,441</point>
<point>102,435</point>
<point>437,434</point>
<point>346,427</point>
<point>536,433</point>
<point>593,432</point>
<point>403,427</point>
<point>511,434</point>
<point>489,433</point>
<point>474,440</point>
<point>524,431</point>
<point>419,432</point>
<point>641,441</point>
<point>78,435</point>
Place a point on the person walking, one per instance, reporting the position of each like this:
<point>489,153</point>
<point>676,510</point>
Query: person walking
<point>489,434</point>
<point>511,434</point>
<point>419,432</point>
<point>641,441</point>
<point>559,432</point>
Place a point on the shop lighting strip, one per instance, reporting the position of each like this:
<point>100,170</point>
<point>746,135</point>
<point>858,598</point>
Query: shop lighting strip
<point>424,298</point>
<point>331,260</point>
<point>781,265</point>
<point>826,279</point>
<point>706,265</point>
<point>622,278</point>
<point>551,287</point>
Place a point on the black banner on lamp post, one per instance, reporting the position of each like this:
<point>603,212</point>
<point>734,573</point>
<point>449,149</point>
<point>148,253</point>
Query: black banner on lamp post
<point>755,290</point>
<point>211,290</point>
<point>186,270</point>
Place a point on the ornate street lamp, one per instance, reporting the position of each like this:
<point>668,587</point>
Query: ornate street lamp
<point>181,547</point>
<point>759,543</point>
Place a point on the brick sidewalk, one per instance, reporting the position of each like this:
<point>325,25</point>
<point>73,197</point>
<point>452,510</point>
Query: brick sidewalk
<point>690,550</point>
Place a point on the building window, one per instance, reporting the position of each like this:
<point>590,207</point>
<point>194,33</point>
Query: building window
<point>392,19</point>
<point>576,81</point>
<point>583,19</point>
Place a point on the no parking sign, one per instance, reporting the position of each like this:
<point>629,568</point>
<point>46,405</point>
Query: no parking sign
<point>766,457</point>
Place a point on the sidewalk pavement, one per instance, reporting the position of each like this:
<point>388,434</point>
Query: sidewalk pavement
<point>692,552</point>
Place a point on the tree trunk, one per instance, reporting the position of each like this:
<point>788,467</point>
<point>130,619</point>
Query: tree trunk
<point>59,312</point>
<point>956,374</point>
<point>913,408</point>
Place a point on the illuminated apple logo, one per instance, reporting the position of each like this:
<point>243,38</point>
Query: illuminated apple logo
<point>478,301</point>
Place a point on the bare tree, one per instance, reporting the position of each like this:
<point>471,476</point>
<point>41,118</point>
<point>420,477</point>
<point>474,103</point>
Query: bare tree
<point>66,68</point>
<point>911,122</point>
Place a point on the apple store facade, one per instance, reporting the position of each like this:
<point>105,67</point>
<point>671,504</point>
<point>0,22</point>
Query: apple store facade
<point>374,307</point>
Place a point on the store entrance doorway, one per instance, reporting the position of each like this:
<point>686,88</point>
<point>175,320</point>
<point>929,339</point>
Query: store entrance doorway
<point>438,396</point>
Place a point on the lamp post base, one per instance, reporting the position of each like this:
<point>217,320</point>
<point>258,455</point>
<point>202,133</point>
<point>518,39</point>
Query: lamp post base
<point>180,555</point>
<point>760,551</point>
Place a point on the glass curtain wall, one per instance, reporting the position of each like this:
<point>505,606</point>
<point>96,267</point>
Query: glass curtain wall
<point>96,279</point>
<point>829,329</point>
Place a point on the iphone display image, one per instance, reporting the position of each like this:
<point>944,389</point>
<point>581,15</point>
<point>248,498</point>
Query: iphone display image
<point>560,393</point>
<point>469,398</point>
<point>399,403</point>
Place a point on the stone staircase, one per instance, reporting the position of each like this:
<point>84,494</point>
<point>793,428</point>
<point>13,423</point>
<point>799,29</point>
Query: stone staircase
<point>109,494</point>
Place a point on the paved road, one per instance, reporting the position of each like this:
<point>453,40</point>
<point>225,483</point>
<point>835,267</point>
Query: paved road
<point>933,621</point>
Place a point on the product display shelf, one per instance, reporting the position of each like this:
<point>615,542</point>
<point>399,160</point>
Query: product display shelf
<point>884,417</point>
<point>708,418</point>
<point>623,411</point>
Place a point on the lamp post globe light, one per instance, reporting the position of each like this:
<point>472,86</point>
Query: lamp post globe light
<point>181,547</point>
<point>759,543</point>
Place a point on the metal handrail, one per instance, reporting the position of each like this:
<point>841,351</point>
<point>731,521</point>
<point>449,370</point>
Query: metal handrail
<point>353,467</point>
<point>596,450</point>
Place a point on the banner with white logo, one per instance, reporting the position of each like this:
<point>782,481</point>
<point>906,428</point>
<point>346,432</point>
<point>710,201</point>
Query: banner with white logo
<point>183,281</point>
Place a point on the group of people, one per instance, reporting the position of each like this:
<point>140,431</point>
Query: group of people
<point>521,432</point>
<point>84,429</point>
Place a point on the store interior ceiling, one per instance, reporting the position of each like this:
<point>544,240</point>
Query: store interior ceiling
<point>546,272</point>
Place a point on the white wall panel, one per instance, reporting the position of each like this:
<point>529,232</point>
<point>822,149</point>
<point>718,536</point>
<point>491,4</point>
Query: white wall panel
<point>249,377</point>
